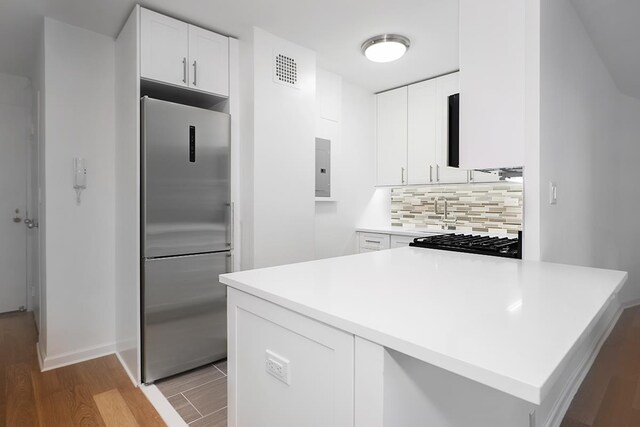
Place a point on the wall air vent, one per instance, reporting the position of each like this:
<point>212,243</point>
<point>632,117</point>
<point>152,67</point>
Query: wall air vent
<point>285,70</point>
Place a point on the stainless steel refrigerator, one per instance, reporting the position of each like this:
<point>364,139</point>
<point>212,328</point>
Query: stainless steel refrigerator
<point>186,239</point>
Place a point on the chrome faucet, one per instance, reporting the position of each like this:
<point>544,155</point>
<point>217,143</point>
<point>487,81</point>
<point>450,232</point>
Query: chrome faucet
<point>446,209</point>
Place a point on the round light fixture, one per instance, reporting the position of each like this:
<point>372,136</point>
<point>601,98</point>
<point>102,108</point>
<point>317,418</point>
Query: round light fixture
<point>385,47</point>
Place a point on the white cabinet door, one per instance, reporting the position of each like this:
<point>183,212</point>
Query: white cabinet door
<point>446,86</point>
<point>392,137</point>
<point>401,241</point>
<point>421,133</point>
<point>164,48</point>
<point>208,61</point>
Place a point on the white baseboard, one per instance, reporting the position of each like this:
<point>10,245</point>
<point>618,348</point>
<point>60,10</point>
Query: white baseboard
<point>631,303</point>
<point>47,363</point>
<point>168,414</point>
<point>133,379</point>
<point>562,405</point>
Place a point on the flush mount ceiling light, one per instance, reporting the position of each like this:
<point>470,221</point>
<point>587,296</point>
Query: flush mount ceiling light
<point>385,47</point>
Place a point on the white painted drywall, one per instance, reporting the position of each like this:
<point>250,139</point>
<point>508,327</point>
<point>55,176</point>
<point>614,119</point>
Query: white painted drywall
<point>283,155</point>
<point>492,83</point>
<point>346,116</point>
<point>80,239</point>
<point>127,196</point>
<point>588,137</point>
<point>623,216</point>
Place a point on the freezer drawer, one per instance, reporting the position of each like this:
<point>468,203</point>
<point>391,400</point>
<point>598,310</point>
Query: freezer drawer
<point>184,313</point>
<point>185,172</point>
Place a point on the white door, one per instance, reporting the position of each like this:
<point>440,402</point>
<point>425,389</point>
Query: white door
<point>13,198</point>
<point>447,85</point>
<point>164,45</point>
<point>392,137</point>
<point>208,61</point>
<point>421,136</point>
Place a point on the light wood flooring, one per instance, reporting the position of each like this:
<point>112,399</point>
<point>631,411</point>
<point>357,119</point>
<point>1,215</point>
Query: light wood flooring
<point>610,394</point>
<point>99,393</point>
<point>93,393</point>
<point>200,395</point>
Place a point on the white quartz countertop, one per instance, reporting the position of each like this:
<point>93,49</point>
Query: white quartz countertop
<point>505,323</point>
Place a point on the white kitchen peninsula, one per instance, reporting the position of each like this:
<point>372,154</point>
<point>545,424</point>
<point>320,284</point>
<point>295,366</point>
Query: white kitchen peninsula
<point>413,337</point>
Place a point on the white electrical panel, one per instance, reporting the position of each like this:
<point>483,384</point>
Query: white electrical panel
<point>278,366</point>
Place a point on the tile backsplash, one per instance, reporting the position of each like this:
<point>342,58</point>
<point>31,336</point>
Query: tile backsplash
<point>491,207</point>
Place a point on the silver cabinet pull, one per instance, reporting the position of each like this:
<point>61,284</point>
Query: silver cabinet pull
<point>402,174</point>
<point>184,70</point>
<point>470,175</point>
<point>195,73</point>
<point>437,173</point>
<point>430,173</point>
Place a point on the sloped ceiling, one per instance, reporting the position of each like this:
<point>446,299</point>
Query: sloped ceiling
<point>614,28</point>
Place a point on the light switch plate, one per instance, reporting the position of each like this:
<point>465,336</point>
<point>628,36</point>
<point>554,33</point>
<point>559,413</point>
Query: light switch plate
<point>553,193</point>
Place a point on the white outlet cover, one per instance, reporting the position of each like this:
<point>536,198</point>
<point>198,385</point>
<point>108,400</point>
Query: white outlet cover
<point>278,367</point>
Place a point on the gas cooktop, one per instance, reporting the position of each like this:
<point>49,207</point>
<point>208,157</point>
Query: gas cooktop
<point>507,247</point>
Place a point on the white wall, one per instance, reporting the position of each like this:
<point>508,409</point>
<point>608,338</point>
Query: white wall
<point>346,116</point>
<point>283,156</point>
<point>622,217</point>
<point>584,131</point>
<point>127,196</point>
<point>80,239</point>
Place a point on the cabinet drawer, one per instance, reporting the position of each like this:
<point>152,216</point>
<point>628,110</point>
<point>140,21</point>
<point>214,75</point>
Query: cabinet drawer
<point>373,241</point>
<point>401,241</point>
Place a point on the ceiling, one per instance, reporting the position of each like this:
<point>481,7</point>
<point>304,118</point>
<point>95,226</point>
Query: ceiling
<point>335,29</point>
<point>615,31</point>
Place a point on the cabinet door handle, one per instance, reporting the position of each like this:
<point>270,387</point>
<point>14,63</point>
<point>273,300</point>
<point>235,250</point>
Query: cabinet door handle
<point>402,174</point>
<point>430,173</point>
<point>470,176</point>
<point>184,70</point>
<point>195,73</point>
<point>437,173</point>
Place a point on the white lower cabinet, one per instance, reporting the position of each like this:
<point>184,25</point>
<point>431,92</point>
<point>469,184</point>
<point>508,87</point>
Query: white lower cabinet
<point>286,369</point>
<point>401,241</point>
<point>369,242</point>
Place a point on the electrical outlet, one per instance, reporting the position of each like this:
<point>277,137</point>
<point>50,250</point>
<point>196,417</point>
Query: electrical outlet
<point>277,366</point>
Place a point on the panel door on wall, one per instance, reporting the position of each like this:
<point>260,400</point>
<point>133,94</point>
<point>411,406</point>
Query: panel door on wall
<point>421,133</point>
<point>164,48</point>
<point>447,85</point>
<point>208,61</point>
<point>392,137</point>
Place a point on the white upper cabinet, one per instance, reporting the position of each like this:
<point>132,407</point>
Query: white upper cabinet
<point>180,54</point>
<point>413,134</point>
<point>392,137</point>
<point>164,48</point>
<point>446,86</point>
<point>208,61</point>
<point>422,132</point>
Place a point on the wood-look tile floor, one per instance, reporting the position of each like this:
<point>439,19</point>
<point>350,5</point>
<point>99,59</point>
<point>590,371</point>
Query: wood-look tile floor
<point>610,393</point>
<point>93,393</point>
<point>200,395</point>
